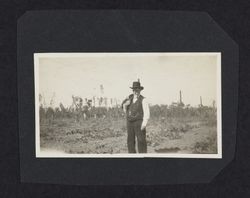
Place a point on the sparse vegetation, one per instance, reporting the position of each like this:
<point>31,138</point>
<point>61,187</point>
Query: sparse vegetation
<point>170,129</point>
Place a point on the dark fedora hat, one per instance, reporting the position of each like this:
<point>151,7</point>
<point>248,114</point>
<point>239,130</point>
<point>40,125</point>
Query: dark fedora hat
<point>137,85</point>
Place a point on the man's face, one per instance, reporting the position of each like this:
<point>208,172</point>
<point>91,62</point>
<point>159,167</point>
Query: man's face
<point>136,92</point>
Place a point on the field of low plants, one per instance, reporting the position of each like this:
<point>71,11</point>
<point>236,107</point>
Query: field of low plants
<point>171,129</point>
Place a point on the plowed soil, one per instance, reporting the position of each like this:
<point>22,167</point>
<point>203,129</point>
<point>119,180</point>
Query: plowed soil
<point>104,135</point>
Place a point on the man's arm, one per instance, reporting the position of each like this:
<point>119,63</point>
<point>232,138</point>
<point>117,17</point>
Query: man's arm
<point>146,113</point>
<point>125,103</point>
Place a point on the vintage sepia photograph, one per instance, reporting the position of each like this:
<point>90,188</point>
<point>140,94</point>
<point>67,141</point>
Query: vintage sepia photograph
<point>165,105</point>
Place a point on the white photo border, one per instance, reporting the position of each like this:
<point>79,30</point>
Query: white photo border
<point>40,154</point>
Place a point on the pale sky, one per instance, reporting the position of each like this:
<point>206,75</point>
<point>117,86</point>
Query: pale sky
<point>162,75</point>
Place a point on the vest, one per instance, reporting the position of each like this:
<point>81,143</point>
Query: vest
<point>135,110</point>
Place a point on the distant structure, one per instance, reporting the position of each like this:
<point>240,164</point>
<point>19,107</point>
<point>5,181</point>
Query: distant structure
<point>201,105</point>
<point>100,99</point>
<point>52,100</point>
<point>42,101</point>
<point>213,103</point>
<point>181,104</point>
<point>101,89</point>
<point>44,104</point>
<point>180,97</point>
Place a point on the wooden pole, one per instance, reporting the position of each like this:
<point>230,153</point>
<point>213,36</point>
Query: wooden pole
<point>201,101</point>
<point>180,97</point>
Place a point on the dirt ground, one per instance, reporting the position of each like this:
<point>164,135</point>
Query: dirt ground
<point>105,135</point>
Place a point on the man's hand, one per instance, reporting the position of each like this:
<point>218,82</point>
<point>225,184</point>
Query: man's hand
<point>143,127</point>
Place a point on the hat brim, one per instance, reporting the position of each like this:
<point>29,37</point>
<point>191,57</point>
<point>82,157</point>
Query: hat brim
<point>141,88</point>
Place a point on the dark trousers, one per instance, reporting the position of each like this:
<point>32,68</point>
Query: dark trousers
<point>135,132</point>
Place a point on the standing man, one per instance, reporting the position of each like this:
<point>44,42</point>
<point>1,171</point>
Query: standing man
<point>137,113</point>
